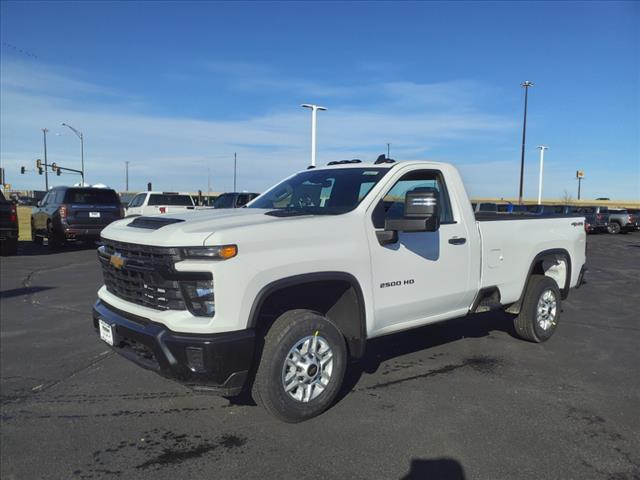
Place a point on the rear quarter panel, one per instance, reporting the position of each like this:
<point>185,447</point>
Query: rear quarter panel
<point>510,246</point>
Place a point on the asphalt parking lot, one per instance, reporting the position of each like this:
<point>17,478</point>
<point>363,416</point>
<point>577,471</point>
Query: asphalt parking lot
<point>457,400</point>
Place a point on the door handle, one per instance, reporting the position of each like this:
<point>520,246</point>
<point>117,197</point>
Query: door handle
<point>457,241</point>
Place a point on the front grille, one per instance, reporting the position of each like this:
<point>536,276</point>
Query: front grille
<point>143,277</point>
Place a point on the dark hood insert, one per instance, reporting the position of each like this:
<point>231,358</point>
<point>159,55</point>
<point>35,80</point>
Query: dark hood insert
<point>153,223</point>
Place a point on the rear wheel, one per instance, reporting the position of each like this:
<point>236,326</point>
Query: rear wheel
<point>613,228</point>
<point>302,366</point>
<point>54,240</point>
<point>9,247</point>
<point>540,310</point>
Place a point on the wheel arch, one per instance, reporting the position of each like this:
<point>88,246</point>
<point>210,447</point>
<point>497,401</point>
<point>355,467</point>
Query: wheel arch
<point>341,301</point>
<point>537,267</point>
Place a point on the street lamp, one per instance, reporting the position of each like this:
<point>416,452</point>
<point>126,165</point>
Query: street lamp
<point>314,113</point>
<point>526,86</point>
<point>81,137</point>
<point>542,149</point>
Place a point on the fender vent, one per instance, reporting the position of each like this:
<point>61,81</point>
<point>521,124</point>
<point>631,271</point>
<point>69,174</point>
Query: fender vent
<point>153,223</point>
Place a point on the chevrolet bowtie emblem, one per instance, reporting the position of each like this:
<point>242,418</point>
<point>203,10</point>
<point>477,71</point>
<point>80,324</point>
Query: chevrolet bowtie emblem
<point>117,261</point>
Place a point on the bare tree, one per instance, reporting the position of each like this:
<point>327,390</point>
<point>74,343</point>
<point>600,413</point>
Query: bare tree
<point>567,197</point>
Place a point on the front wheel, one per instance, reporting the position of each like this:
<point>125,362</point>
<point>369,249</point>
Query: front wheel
<point>302,366</point>
<point>540,310</point>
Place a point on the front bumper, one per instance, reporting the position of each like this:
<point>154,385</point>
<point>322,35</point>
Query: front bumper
<point>219,363</point>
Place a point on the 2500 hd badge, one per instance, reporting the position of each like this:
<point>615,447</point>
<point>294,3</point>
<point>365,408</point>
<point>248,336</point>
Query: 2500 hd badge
<point>397,283</point>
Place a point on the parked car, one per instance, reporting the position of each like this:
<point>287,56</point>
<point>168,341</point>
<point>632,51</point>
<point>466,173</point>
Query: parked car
<point>596,218</point>
<point>154,203</point>
<point>485,207</point>
<point>74,213</point>
<point>8,226</point>
<point>292,286</point>
<point>234,199</point>
<point>621,221</point>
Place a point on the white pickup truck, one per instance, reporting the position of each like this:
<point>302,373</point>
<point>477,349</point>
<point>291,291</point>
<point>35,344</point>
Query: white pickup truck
<point>155,203</point>
<point>277,297</point>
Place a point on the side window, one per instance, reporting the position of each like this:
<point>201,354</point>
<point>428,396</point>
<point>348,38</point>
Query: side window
<point>392,205</point>
<point>137,200</point>
<point>59,196</point>
<point>45,200</point>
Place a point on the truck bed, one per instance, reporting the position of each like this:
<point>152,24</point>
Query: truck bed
<point>511,242</point>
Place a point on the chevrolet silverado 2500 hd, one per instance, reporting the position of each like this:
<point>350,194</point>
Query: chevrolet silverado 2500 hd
<point>278,296</point>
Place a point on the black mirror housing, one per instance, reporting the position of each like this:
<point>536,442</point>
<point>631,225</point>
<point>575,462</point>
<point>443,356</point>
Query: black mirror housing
<point>421,212</point>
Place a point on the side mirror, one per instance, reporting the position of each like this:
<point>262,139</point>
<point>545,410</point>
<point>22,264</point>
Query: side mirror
<point>38,203</point>
<point>421,212</point>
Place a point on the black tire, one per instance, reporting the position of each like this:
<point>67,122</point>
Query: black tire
<point>9,247</point>
<point>54,240</point>
<point>289,330</point>
<point>527,324</point>
<point>614,228</point>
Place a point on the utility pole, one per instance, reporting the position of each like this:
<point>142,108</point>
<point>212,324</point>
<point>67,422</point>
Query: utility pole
<point>126,176</point>
<point>46,164</point>
<point>80,135</point>
<point>388,150</point>
<point>542,149</point>
<point>209,186</point>
<point>314,122</point>
<point>235,163</point>
<point>526,86</point>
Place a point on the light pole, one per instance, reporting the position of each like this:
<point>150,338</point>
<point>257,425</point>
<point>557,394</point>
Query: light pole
<point>314,120</point>
<point>542,149</point>
<point>46,164</point>
<point>526,86</point>
<point>81,137</point>
<point>235,163</point>
<point>126,176</point>
<point>388,149</point>
<point>580,177</point>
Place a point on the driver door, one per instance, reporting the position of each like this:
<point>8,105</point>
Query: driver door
<point>424,276</point>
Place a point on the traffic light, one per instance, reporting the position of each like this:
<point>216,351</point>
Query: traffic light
<point>40,170</point>
<point>54,166</point>
<point>22,170</point>
<point>149,187</point>
<point>58,171</point>
<point>39,163</point>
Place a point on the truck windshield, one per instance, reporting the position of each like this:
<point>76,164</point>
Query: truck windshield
<point>320,192</point>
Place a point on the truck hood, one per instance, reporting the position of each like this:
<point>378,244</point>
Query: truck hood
<point>196,227</point>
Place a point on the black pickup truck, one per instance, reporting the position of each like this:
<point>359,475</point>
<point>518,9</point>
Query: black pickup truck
<point>8,227</point>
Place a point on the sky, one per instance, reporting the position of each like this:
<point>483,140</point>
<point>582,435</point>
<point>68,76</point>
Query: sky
<point>176,88</point>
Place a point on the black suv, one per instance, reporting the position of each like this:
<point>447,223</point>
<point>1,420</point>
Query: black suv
<point>233,199</point>
<point>74,213</point>
<point>8,227</point>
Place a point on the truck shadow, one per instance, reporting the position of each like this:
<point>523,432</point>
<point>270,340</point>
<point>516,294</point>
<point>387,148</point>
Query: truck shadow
<point>435,469</point>
<point>380,350</point>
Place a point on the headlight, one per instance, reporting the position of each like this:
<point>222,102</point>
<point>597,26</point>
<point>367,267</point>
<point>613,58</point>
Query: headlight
<point>222,252</point>
<point>199,297</point>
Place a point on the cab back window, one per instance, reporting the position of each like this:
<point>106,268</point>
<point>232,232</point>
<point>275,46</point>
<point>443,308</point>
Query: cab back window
<point>163,199</point>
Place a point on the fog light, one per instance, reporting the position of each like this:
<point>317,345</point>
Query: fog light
<point>199,297</point>
<point>195,359</point>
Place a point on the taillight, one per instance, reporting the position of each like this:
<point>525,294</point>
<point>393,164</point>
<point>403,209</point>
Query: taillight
<point>63,211</point>
<point>629,219</point>
<point>13,216</point>
<point>162,209</point>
